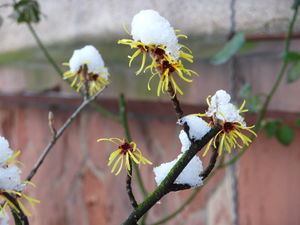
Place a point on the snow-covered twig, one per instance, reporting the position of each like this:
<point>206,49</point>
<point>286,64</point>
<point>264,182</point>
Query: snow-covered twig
<point>168,182</point>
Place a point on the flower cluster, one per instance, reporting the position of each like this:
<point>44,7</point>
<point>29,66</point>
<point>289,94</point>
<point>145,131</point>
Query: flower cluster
<point>222,112</point>
<point>152,34</point>
<point>10,181</point>
<point>87,67</point>
<point>126,151</point>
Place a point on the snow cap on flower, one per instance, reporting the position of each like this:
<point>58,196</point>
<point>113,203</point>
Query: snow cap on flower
<point>222,109</point>
<point>197,126</point>
<point>10,181</point>
<point>90,56</point>
<point>149,27</point>
<point>5,151</point>
<point>10,178</point>
<point>190,174</point>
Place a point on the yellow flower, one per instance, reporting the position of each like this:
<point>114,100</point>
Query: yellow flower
<point>232,126</point>
<point>96,81</point>
<point>125,152</point>
<point>13,197</point>
<point>10,196</point>
<point>163,63</point>
<point>87,68</point>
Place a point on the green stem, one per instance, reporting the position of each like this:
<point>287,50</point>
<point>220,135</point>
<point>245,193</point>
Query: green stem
<point>98,107</point>
<point>45,51</point>
<point>279,78</point>
<point>124,122</point>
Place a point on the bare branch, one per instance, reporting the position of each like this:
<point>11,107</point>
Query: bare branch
<point>58,134</point>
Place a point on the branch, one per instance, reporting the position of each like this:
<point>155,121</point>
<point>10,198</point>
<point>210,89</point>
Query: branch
<point>124,121</point>
<point>123,115</point>
<point>191,197</point>
<point>129,188</point>
<point>20,212</point>
<point>58,134</point>
<point>163,188</point>
<point>211,165</point>
<point>174,100</point>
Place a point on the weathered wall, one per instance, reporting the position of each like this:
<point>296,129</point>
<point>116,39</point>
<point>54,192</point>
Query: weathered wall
<point>68,19</point>
<point>76,187</point>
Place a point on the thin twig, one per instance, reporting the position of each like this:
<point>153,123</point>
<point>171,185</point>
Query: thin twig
<point>211,165</point>
<point>58,134</point>
<point>129,187</point>
<point>175,101</point>
<point>44,50</point>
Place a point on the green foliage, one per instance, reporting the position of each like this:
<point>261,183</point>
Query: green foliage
<point>248,46</point>
<point>282,132</point>
<point>291,56</point>
<point>27,11</point>
<point>293,72</point>
<point>271,127</point>
<point>245,91</point>
<point>285,135</point>
<point>298,122</point>
<point>230,49</point>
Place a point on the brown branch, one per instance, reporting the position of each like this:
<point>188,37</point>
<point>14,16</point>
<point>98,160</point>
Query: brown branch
<point>58,134</point>
<point>211,165</point>
<point>129,188</point>
<point>176,104</point>
<point>20,212</point>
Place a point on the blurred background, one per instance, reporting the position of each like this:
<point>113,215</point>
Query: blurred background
<point>74,184</point>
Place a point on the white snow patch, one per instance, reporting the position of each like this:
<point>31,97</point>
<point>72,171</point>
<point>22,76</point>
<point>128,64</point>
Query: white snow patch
<point>221,108</point>
<point>185,141</point>
<point>90,56</point>
<point>190,174</point>
<point>10,178</point>
<point>198,127</point>
<point>149,27</point>
<point>5,151</point>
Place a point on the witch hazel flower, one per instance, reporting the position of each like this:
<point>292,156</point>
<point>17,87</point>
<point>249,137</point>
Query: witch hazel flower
<point>87,65</point>
<point>152,34</point>
<point>10,181</point>
<point>228,116</point>
<point>126,151</point>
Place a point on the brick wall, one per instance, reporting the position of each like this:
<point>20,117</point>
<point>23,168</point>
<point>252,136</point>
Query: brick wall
<point>76,187</point>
